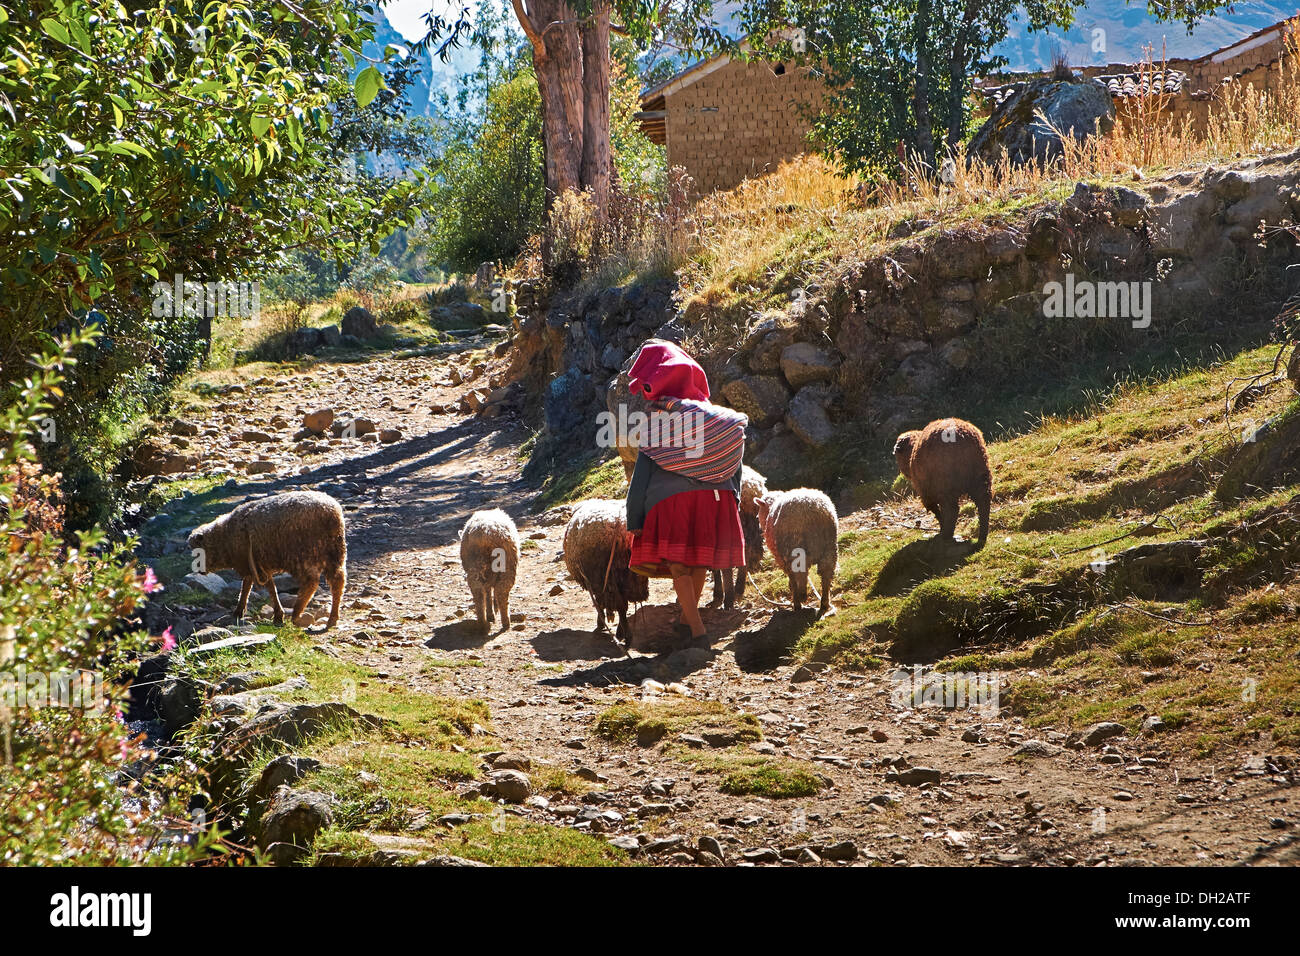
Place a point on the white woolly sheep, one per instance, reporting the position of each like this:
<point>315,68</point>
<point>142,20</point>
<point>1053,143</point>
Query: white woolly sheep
<point>299,533</point>
<point>596,552</point>
<point>489,553</point>
<point>802,531</point>
<point>726,587</point>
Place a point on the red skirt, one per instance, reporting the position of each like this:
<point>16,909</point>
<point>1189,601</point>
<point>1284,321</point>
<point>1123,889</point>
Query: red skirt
<point>698,529</point>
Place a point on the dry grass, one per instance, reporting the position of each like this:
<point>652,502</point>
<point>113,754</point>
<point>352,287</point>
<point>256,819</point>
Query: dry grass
<point>752,246</point>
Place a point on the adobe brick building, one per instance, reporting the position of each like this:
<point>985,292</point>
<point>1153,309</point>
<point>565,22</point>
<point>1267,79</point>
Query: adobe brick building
<point>725,120</point>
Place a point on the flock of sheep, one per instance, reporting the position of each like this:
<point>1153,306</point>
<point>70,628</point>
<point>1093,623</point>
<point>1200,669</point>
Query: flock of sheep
<point>301,533</point>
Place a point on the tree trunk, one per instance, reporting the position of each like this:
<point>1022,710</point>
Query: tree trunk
<point>957,76</point>
<point>553,30</point>
<point>921,89</point>
<point>596,159</point>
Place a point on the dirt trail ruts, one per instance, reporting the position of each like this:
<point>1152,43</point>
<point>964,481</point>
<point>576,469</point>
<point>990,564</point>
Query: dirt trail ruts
<point>549,676</point>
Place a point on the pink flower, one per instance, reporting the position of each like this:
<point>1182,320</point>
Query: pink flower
<point>120,717</point>
<point>150,582</point>
<point>168,642</point>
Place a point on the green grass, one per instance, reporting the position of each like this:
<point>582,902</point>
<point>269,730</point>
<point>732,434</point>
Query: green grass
<point>581,479</point>
<point>647,722</point>
<point>1139,466</point>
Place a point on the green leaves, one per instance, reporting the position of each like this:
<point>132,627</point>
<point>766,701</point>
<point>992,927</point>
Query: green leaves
<point>367,86</point>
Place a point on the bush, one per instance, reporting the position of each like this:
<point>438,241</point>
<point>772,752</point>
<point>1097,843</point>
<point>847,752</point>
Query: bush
<point>64,742</point>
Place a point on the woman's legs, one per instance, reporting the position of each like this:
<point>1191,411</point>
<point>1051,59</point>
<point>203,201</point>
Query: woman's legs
<point>689,585</point>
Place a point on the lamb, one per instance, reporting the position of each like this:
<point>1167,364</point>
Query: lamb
<point>726,587</point>
<point>489,553</point>
<point>596,552</point>
<point>946,461</point>
<point>299,533</point>
<point>802,531</point>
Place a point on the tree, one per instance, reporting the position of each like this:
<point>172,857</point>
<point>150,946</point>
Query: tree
<point>570,41</point>
<point>901,73</point>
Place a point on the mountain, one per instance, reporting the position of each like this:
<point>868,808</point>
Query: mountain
<point>1125,29</point>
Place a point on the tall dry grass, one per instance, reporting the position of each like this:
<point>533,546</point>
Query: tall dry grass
<point>807,213</point>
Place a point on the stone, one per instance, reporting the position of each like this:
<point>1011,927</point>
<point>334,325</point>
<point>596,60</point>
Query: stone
<point>509,761</point>
<point>626,843</point>
<point>807,418</point>
<point>283,771</point>
<point>390,435</point>
<point>1098,733</point>
<point>803,363</point>
<point>762,397</point>
<point>1036,748</point>
<point>509,785</point>
<point>762,854</point>
<point>780,459</point>
<point>319,420</point>
<point>259,467</point>
<point>844,850</point>
<point>331,336</point>
<point>914,776</point>
<point>294,817</point>
<point>211,582</point>
<point>664,844</point>
<point>178,701</point>
<point>711,846</point>
<point>1025,124</point>
<point>304,340</point>
<point>358,322</point>
<point>182,427</point>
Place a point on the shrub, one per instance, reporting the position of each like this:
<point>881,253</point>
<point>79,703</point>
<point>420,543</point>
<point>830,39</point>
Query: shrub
<point>61,608</point>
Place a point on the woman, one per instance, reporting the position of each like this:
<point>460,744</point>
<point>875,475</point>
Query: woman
<point>681,503</point>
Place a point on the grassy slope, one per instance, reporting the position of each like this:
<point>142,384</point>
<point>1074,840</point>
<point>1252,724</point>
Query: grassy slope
<point>1077,646</point>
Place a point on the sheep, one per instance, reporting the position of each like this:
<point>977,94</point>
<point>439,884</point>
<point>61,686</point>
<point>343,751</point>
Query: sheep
<point>597,552</point>
<point>299,533</point>
<point>801,530</point>
<point>727,588</point>
<point>946,461</point>
<point>489,553</point>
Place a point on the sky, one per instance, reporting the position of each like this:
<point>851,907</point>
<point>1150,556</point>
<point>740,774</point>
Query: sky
<point>407,16</point>
<point>1126,27</point>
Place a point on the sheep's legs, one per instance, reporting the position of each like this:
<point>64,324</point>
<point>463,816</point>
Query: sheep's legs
<point>481,606</point>
<point>275,599</point>
<point>740,582</point>
<point>798,588</point>
<point>338,582</point>
<point>719,588</point>
<point>305,591</point>
<point>601,626</point>
<point>949,511</point>
<point>242,606</point>
<point>827,574</point>
<point>502,594</point>
<point>982,504</point>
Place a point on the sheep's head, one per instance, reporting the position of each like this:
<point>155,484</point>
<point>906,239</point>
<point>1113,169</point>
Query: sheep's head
<point>903,452</point>
<point>764,505</point>
<point>203,541</point>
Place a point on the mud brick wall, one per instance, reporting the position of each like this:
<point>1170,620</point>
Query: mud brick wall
<point>741,120</point>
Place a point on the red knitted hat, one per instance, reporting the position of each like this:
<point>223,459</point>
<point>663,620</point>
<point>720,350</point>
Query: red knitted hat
<point>663,370</point>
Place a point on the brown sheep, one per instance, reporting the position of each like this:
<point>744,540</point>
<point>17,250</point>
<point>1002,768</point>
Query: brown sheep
<point>946,461</point>
<point>299,533</point>
<point>489,553</point>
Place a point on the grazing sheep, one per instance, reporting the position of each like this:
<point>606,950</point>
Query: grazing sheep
<point>596,552</point>
<point>726,587</point>
<point>802,531</point>
<point>946,461</point>
<point>489,553</point>
<point>299,533</point>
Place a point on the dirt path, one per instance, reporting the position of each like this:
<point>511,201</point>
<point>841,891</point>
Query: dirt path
<point>905,785</point>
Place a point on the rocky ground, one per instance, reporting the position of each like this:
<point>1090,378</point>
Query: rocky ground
<point>898,784</point>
